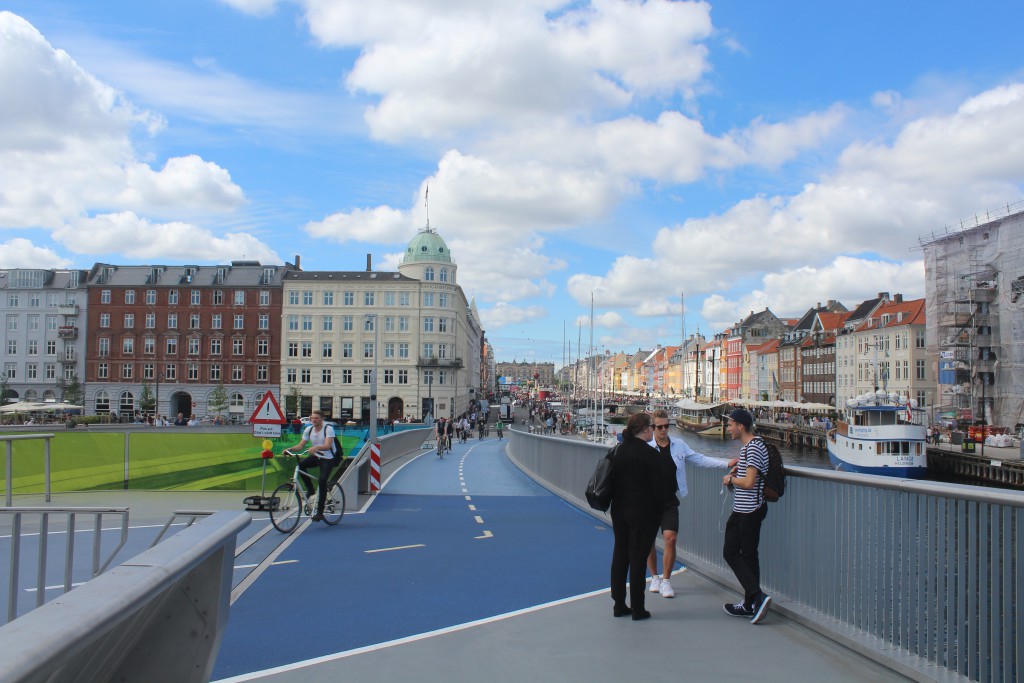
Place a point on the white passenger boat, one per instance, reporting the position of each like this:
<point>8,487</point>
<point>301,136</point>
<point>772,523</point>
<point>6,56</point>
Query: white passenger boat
<point>882,434</point>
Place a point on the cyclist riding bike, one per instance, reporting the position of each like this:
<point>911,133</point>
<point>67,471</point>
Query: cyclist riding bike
<point>439,436</point>
<point>320,436</point>
<point>500,426</point>
<point>449,432</point>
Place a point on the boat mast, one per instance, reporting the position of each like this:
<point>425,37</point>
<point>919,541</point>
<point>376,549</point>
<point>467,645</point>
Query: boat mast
<point>682,342</point>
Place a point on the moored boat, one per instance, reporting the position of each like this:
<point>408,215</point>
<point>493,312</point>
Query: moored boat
<point>882,434</point>
<point>698,417</point>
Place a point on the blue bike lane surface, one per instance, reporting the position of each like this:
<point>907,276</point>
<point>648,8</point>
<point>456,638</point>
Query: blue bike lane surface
<point>448,541</point>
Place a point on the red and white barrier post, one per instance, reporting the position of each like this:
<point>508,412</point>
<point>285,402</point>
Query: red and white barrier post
<point>375,467</point>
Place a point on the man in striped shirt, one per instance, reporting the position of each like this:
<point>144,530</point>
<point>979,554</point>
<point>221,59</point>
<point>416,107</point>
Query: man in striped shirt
<point>743,530</point>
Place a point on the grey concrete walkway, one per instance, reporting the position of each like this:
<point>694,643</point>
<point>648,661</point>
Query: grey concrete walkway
<point>689,638</point>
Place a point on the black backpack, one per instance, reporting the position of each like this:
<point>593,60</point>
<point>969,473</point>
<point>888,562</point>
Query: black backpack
<point>775,479</point>
<point>599,488</point>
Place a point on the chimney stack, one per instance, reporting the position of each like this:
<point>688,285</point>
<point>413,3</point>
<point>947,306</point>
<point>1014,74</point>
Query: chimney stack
<point>368,264</point>
<point>897,298</point>
<point>883,295</point>
<point>297,267</point>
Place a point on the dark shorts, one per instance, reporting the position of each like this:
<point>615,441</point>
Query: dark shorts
<point>670,519</point>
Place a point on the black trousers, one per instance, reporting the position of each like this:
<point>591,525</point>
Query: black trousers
<point>742,536</point>
<point>634,529</point>
<point>325,472</point>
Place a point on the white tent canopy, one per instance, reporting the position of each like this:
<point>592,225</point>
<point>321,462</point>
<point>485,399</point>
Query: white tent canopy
<point>782,405</point>
<point>690,404</point>
<point>36,407</point>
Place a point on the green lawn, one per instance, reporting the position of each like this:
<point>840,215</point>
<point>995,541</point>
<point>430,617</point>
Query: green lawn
<point>81,460</point>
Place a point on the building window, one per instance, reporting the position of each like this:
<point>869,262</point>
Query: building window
<point>128,346</point>
<point>346,349</point>
<point>325,376</point>
<point>328,298</point>
<point>442,325</point>
<point>367,375</point>
<point>368,298</point>
<point>428,299</point>
<point>403,349</point>
<point>326,350</point>
<point>442,300</point>
<point>328,323</point>
<point>129,320</point>
<point>264,321</point>
<point>920,369</point>
<point>150,321</point>
<point>389,350</point>
<point>218,297</point>
<point>291,375</point>
<point>389,377</point>
<point>403,298</point>
<point>237,346</point>
<point>104,298</point>
<point>293,298</point>
<point>126,370</point>
<point>215,348</point>
<point>367,349</point>
<point>102,370</point>
<point>443,275</point>
<point>193,321</point>
<point>193,372</point>
<point>262,373</point>
<point>389,323</point>
<point>149,345</point>
<point>428,273</point>
<point>172,321</point>
<point>193,346</point>
<point>239,297</point>
<point>103,347</point>
<point>263,346</point>
<point>403,323</point>
<point>172,347</point>
<point>239,322</point>
<point>346,377</point>
<point>307,323</point>
<point>293,323</point>
<point>347,323</point>
<point>215,372</point>
<point>368,323</point>
<point>307,349</point>
<point>102,402</point>
<point>389,298</point>
<point>172,297</point>
<point>215,321</point>
<point>104,320</point>
<point>428,324</point>
<point>264,297</point>
<point>304,376</point>
<point>428,350</point>
<point>403,376</point>
<point>307,298</point>
<point>195,297</point>
<point>170,372</point>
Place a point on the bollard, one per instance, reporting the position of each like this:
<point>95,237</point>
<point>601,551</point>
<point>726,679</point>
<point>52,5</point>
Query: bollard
<point>375,467</point>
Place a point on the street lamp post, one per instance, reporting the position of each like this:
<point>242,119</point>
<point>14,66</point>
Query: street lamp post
<point>373,380</point>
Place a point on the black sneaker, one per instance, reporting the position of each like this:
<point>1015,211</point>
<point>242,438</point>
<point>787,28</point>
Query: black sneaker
<point>739,610</point>
<point>760,608</point>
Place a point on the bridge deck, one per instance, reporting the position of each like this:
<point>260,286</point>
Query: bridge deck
<point>465,570</point>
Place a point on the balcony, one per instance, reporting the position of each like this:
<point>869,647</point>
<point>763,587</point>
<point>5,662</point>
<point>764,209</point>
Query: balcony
<point>433,362</point>
<point>985,294</point>
<point>67,332</point>
<point>955,319</point>
<point>69,359</point>
<point>69,309</point>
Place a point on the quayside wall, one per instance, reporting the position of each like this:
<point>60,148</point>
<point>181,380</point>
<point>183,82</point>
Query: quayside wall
<point>924,577</point>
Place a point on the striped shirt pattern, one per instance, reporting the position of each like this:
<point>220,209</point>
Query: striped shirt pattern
<point>755,455</point>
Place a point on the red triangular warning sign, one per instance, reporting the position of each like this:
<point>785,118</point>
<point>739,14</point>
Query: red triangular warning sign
<point>268,412</point>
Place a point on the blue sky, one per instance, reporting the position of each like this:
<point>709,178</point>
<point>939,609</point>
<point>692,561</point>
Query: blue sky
<point>747,153</point>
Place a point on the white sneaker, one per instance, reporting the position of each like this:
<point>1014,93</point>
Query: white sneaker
<point>666,589</point>
<point>656,584</point>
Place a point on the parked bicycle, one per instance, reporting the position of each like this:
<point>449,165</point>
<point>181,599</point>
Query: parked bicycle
<point>289,500</point>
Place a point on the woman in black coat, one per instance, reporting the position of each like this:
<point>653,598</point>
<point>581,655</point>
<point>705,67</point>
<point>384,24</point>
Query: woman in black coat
<point>635,478</point>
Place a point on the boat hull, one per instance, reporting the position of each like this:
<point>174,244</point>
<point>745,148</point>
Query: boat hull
<point>901,471</point>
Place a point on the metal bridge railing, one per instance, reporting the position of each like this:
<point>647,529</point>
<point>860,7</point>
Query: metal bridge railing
<point>926,578</point>
<point>99,561</point>
<point>9,463</point>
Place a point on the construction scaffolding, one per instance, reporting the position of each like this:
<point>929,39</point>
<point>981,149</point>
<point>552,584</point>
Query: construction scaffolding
<point>975,321</point>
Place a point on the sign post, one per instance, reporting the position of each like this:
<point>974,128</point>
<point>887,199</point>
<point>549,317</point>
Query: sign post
<point>266,423</point>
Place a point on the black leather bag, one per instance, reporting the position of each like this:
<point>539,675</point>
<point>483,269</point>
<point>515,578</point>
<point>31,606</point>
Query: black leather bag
<point>599,488</point>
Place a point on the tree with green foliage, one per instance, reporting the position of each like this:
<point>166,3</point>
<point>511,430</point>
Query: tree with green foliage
<point>74,393</point>
<point>147,401</point>
<point>291,401</point>
<point>5,388</point>
<point>218,400</point>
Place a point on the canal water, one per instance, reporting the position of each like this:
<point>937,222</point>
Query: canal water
<point>727,448</point>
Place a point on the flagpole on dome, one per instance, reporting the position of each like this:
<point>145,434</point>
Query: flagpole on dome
<point>426,205</point>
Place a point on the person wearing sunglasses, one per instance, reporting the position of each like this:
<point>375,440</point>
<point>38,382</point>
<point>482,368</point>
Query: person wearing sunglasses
<point>674,453</point>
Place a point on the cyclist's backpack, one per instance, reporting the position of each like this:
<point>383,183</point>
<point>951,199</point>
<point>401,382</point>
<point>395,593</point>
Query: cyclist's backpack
<point>599,488</point>
<point>775,479</point>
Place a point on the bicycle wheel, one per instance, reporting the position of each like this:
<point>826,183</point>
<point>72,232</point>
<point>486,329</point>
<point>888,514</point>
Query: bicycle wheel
<point>334,504</point>
<point>286,514</point>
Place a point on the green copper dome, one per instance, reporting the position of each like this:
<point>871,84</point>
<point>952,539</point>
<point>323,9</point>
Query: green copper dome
<point>427,246</point>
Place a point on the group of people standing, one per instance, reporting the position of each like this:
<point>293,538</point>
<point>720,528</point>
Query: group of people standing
<point>649,478</point>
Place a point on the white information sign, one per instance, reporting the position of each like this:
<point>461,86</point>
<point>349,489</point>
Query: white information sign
<point>266,431</point>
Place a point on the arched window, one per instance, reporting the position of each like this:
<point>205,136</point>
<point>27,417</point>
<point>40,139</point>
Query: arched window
<point>30,394</point>
<point>102,401</point>
<point>48,395</point>
<point>444,275</point>
<point>428,273</point>
<point>126,403</point>
<point>236,402</point>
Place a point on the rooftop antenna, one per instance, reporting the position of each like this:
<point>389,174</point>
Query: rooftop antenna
<point>426,204</point>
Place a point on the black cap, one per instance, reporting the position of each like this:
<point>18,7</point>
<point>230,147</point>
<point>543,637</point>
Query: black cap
<point>743,417</point>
